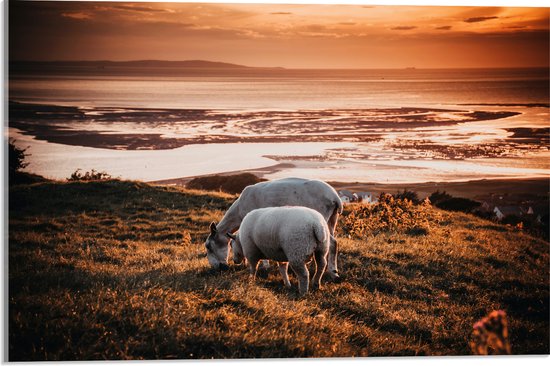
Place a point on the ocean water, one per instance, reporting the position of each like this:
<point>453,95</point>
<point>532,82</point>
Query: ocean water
<point>280,89</point>
<point>310,109</point>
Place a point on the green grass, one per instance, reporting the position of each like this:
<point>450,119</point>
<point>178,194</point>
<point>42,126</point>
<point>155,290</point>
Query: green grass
<point>117,270</point>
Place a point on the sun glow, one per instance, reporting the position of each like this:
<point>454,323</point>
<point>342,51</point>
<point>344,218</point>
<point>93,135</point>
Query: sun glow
<point>302,36</point>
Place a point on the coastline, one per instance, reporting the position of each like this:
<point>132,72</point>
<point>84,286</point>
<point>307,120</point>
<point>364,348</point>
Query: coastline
<point>398,147</point>
<point>472,189</point>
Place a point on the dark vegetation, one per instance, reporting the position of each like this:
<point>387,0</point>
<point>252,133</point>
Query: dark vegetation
<point>224,183</point>
<point>117,270</point>
<point>528,223</point>
<point>408,195</point>
<point>16,157</point>
<point>92,175</point>
<point>16,162</point>
<point>447,202</point>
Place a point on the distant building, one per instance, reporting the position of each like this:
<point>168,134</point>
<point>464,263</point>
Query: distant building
<point>367,197</point>
<point>504,211</point>
<point>364,197</point>
<point>487,206</point>
<point>346,196</point>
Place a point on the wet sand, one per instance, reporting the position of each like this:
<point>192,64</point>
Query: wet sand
<point>383,145</point>
<point>137,128</point>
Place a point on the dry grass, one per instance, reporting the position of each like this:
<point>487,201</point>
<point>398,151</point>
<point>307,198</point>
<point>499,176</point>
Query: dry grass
<point>117,270</point>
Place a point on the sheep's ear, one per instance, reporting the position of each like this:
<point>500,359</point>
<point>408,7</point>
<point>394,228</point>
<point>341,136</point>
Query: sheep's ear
<point>231,236</point>
<point>213,229</point>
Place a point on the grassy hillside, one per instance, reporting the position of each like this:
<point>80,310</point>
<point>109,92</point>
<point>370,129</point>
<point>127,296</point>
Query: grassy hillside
<point>117,270</point>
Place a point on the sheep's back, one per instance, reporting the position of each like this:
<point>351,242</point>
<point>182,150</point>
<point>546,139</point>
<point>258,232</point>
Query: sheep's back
<point>313,194</point>
<point>283,232</point>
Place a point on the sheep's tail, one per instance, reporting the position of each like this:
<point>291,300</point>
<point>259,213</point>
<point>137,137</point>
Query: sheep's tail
<point>320,234</point>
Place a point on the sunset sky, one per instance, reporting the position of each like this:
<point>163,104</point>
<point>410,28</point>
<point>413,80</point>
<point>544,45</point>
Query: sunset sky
<point>292,36</point>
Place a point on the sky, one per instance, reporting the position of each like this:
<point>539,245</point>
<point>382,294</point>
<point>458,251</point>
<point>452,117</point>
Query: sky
<point>275,35</point>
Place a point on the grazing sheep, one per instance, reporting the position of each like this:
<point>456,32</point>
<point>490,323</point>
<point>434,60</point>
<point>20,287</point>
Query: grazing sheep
<point>289,235</point>
<point>314,194</point>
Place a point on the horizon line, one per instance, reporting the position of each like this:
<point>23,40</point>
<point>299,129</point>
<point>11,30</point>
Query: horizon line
<point>412,68</point>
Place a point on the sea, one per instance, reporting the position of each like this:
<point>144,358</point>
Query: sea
<point>381,126</point>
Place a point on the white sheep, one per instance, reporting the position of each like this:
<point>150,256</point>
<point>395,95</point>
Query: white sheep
<point>289,235</point>
<point>314,194</point>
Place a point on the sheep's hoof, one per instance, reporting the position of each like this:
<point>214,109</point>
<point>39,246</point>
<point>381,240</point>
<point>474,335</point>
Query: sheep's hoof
<point>334,277</point>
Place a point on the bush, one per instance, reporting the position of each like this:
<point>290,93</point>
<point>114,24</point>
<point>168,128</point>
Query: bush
<point>93,175</point>
<point>16,158</point>
<point>458,204</point>
<point>409,195</point>
<point>226,183</point>
<point>437,197</point>
<point>389,214</point>
<point>16,163</point>
<point>445,201</point>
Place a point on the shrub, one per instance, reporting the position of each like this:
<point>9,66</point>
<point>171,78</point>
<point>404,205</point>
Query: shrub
<point>92,175</point>
<point>16,158</point>
<point>437,197</point>
<point>409,195</point>
<point>458,204</point>
<point>389,214</point>
<point>226,183</point>
<point>445,201</point>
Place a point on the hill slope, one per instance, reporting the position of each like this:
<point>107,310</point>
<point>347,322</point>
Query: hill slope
<point>117,270</point>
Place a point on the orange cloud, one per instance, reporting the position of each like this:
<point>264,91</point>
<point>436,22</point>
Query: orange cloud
<point>78,15</point>
<point>263,35</point>
<point>404,27</point>
<point>479,19</point>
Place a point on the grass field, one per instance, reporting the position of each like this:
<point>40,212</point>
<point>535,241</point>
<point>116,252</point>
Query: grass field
<point>117,270</point>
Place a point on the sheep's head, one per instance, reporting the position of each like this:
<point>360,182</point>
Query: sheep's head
<point>217,248</point>
<point>238,255</point>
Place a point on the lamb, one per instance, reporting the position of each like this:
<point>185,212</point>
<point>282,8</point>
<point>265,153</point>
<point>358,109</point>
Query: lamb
<point>289,235</point>
<point>314,194</point>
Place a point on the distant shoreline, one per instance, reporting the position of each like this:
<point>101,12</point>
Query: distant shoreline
<point>230,65</point>
<point>468,189</point>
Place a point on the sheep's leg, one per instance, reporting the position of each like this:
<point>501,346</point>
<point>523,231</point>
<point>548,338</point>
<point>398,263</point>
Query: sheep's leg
<point>302,273</point>
<point>320,266</point>
<point>333,259</point>
<point>333,247</point>
<point>263,268</point>
<point>253,265</point>
<point>283,268</point>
